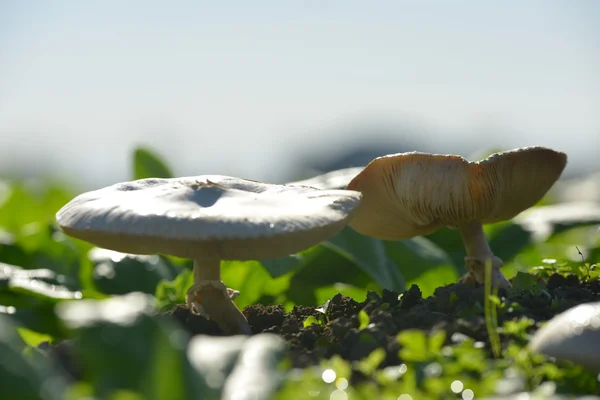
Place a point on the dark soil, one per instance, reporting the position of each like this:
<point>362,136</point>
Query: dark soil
<point>456,308</point>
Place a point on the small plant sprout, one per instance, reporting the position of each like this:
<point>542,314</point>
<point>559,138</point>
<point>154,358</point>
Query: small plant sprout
<point>208,219</point>
<point>413,194</point>
<point>572,335</point>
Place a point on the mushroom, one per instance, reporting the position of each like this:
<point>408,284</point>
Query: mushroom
<point>413,194</point>
<point>572,335</point>
<point>208,219</point>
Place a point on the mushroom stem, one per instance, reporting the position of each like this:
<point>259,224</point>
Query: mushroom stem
<point>479,252</point>
<point>209,297</point>
<point>207,270</point>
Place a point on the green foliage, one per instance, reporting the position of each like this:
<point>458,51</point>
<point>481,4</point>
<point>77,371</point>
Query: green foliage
<point>142,355</point>
<point>147,164</point>
<point>363,320</point>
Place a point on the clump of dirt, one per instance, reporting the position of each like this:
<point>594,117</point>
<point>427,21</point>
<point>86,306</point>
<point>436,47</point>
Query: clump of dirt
<point>456,308</point>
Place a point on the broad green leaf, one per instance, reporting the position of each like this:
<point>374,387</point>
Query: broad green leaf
<point>545,221</point>
<point>283,265</point>
<point>256,375</point>
<point>414,345</point>
<point>252,280</point>
<point>214,358</point>
<point>147,164</point>
<point>33,315</point>
<point>368,254</point>
<point>325,293</point>
<point>170,293</point>
<point>507,239</point>
<point>10,251</point>
<point>26,378</point>
<point>33,338</point>
<point>40,284</point>
<point>123,345</point>
<point>368,365</point>
<point>41,200</point>
<point>432,278</point>
<point>449,240</point>
<point>418,255</point>
<point>121,273</point>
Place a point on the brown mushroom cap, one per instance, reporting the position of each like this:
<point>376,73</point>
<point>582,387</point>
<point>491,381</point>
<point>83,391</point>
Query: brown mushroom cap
<point>412,194</point>
<point>209,216</point>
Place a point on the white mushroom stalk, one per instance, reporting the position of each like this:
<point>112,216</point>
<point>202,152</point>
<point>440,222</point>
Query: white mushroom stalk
<point>413,194</point>
<point>479,253</point>
<point>208,219</point>
<point>211,298</point>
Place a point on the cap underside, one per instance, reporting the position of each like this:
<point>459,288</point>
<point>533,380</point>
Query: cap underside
<point>411,194</point>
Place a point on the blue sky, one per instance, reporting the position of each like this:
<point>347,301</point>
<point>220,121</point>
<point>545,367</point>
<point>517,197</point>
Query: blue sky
<point>245,88</point>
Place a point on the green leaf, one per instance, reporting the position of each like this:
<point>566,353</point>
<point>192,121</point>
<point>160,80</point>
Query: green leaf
<point>423,263</point>
<point>35,316</point>
<point>523,281</point>
<point>147,164</point>
<point>416,255</point>
<point>320,274</point>
<point>171,293</point>
<point>32,338</point>
<point>436,341</point>
<point>310,321</point>
<point>40,284</point>
<point>256,373</point>
<point>41,200</point>
<point>369,255</point>
<point>370,363</point>
<point>449,240</point>
<point>322,294</point>
<point>26,378</point>
<point>507,239</point>
<point>123,345</point>
<point>546,221</point>
<point>414,345</point>
<point>283,265</point>
<point>252,280</point>
<point>363,320</point>
<point>121,273</point>
<point>214,358</point>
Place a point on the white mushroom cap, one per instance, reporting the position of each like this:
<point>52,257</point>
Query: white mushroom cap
<point>208,216</point>
<point>573,335</point>
<point>412,194</point>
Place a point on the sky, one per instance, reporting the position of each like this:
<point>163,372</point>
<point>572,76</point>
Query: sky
<point>251,89</point>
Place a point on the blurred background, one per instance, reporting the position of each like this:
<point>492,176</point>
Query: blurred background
<point>277,90</point>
